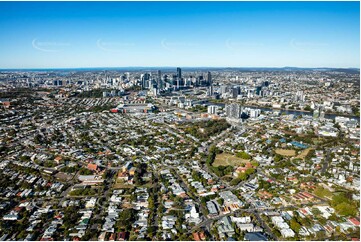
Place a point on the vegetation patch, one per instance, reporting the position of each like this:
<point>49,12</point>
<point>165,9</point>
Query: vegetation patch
<point>303,154</point>
<point>204,130</point>
<point>344,205</point>
<point>285,152</point>
<point>83,192</point>
<point>225,159</point>
<point>323,192</point>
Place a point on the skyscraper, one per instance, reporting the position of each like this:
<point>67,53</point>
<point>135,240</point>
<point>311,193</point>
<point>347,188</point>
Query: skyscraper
<point>159,80</point>
<point>236,91</point>
<point>179,73</point>
<point>209,78</point>
<point>145,80</point>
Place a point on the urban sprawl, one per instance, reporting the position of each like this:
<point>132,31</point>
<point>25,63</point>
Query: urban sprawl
<point>180,154</point>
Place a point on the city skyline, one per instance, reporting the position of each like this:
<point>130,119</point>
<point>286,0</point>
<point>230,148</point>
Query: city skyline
<point>169,34</point>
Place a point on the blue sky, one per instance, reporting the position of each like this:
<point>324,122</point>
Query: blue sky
<point>188,34</point>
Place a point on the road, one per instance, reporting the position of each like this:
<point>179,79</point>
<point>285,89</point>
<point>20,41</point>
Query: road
<point>265,226</point>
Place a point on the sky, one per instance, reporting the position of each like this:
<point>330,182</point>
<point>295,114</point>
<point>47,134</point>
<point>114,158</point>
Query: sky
<point>185,34</point>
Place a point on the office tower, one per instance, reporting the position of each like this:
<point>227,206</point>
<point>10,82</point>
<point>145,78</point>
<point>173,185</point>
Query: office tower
<point>233,110</point>
<point>236,91</point>
<point>145,80</point>
<point>179,72</point>
<point>210,90</point>
<point>200,80</point>
<point>209,78</point>
<point>159,80</point>
<point>174,80</point>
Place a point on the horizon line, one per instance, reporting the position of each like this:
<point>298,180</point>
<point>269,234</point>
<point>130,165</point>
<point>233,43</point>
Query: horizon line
<point>193,67</point>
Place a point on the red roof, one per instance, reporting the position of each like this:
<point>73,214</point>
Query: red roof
<point>354,221</point>
<point>202,236</point>
<point>196,236</point>
<point>92,167</point>
<point>58,158</point>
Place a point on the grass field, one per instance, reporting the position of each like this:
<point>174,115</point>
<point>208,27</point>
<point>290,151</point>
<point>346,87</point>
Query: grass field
<point>303,154</point>
<point>285,152</point>
<point>225,159</point>
<point>119,184</point>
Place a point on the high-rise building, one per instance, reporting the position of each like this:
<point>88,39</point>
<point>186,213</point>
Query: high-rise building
<point>233,110</point>
<point>209,78</point>
<point>159,80</point>
<point>258,90</point>
<point>300,96</point>
<point>236,91</point>
<point>224,89</point>
<point>145,80</point>
<point>179,73</point>
<point>210,90</point>
<point>212,109</point>
<point>254,113</point>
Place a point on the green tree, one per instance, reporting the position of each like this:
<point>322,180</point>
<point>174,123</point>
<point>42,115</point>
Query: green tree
<point>235,181</point>
<point>308,108</point>
<point>295,225</point>
<point>243,155</point>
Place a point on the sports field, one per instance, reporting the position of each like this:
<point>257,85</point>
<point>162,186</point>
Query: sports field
<point>285,152</point>
<point>225,159</point>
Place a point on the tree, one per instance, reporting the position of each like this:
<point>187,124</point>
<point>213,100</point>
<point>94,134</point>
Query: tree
<point>243,155</point>
<point>278,157</point>
<point>344,205</point>
<point>250,171</point>
<point>346,209</point>
<point>295,225</point>
<point>242,176</point>
<point>308,108</point>
<point>126,218</point>
<point>235,181</point>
